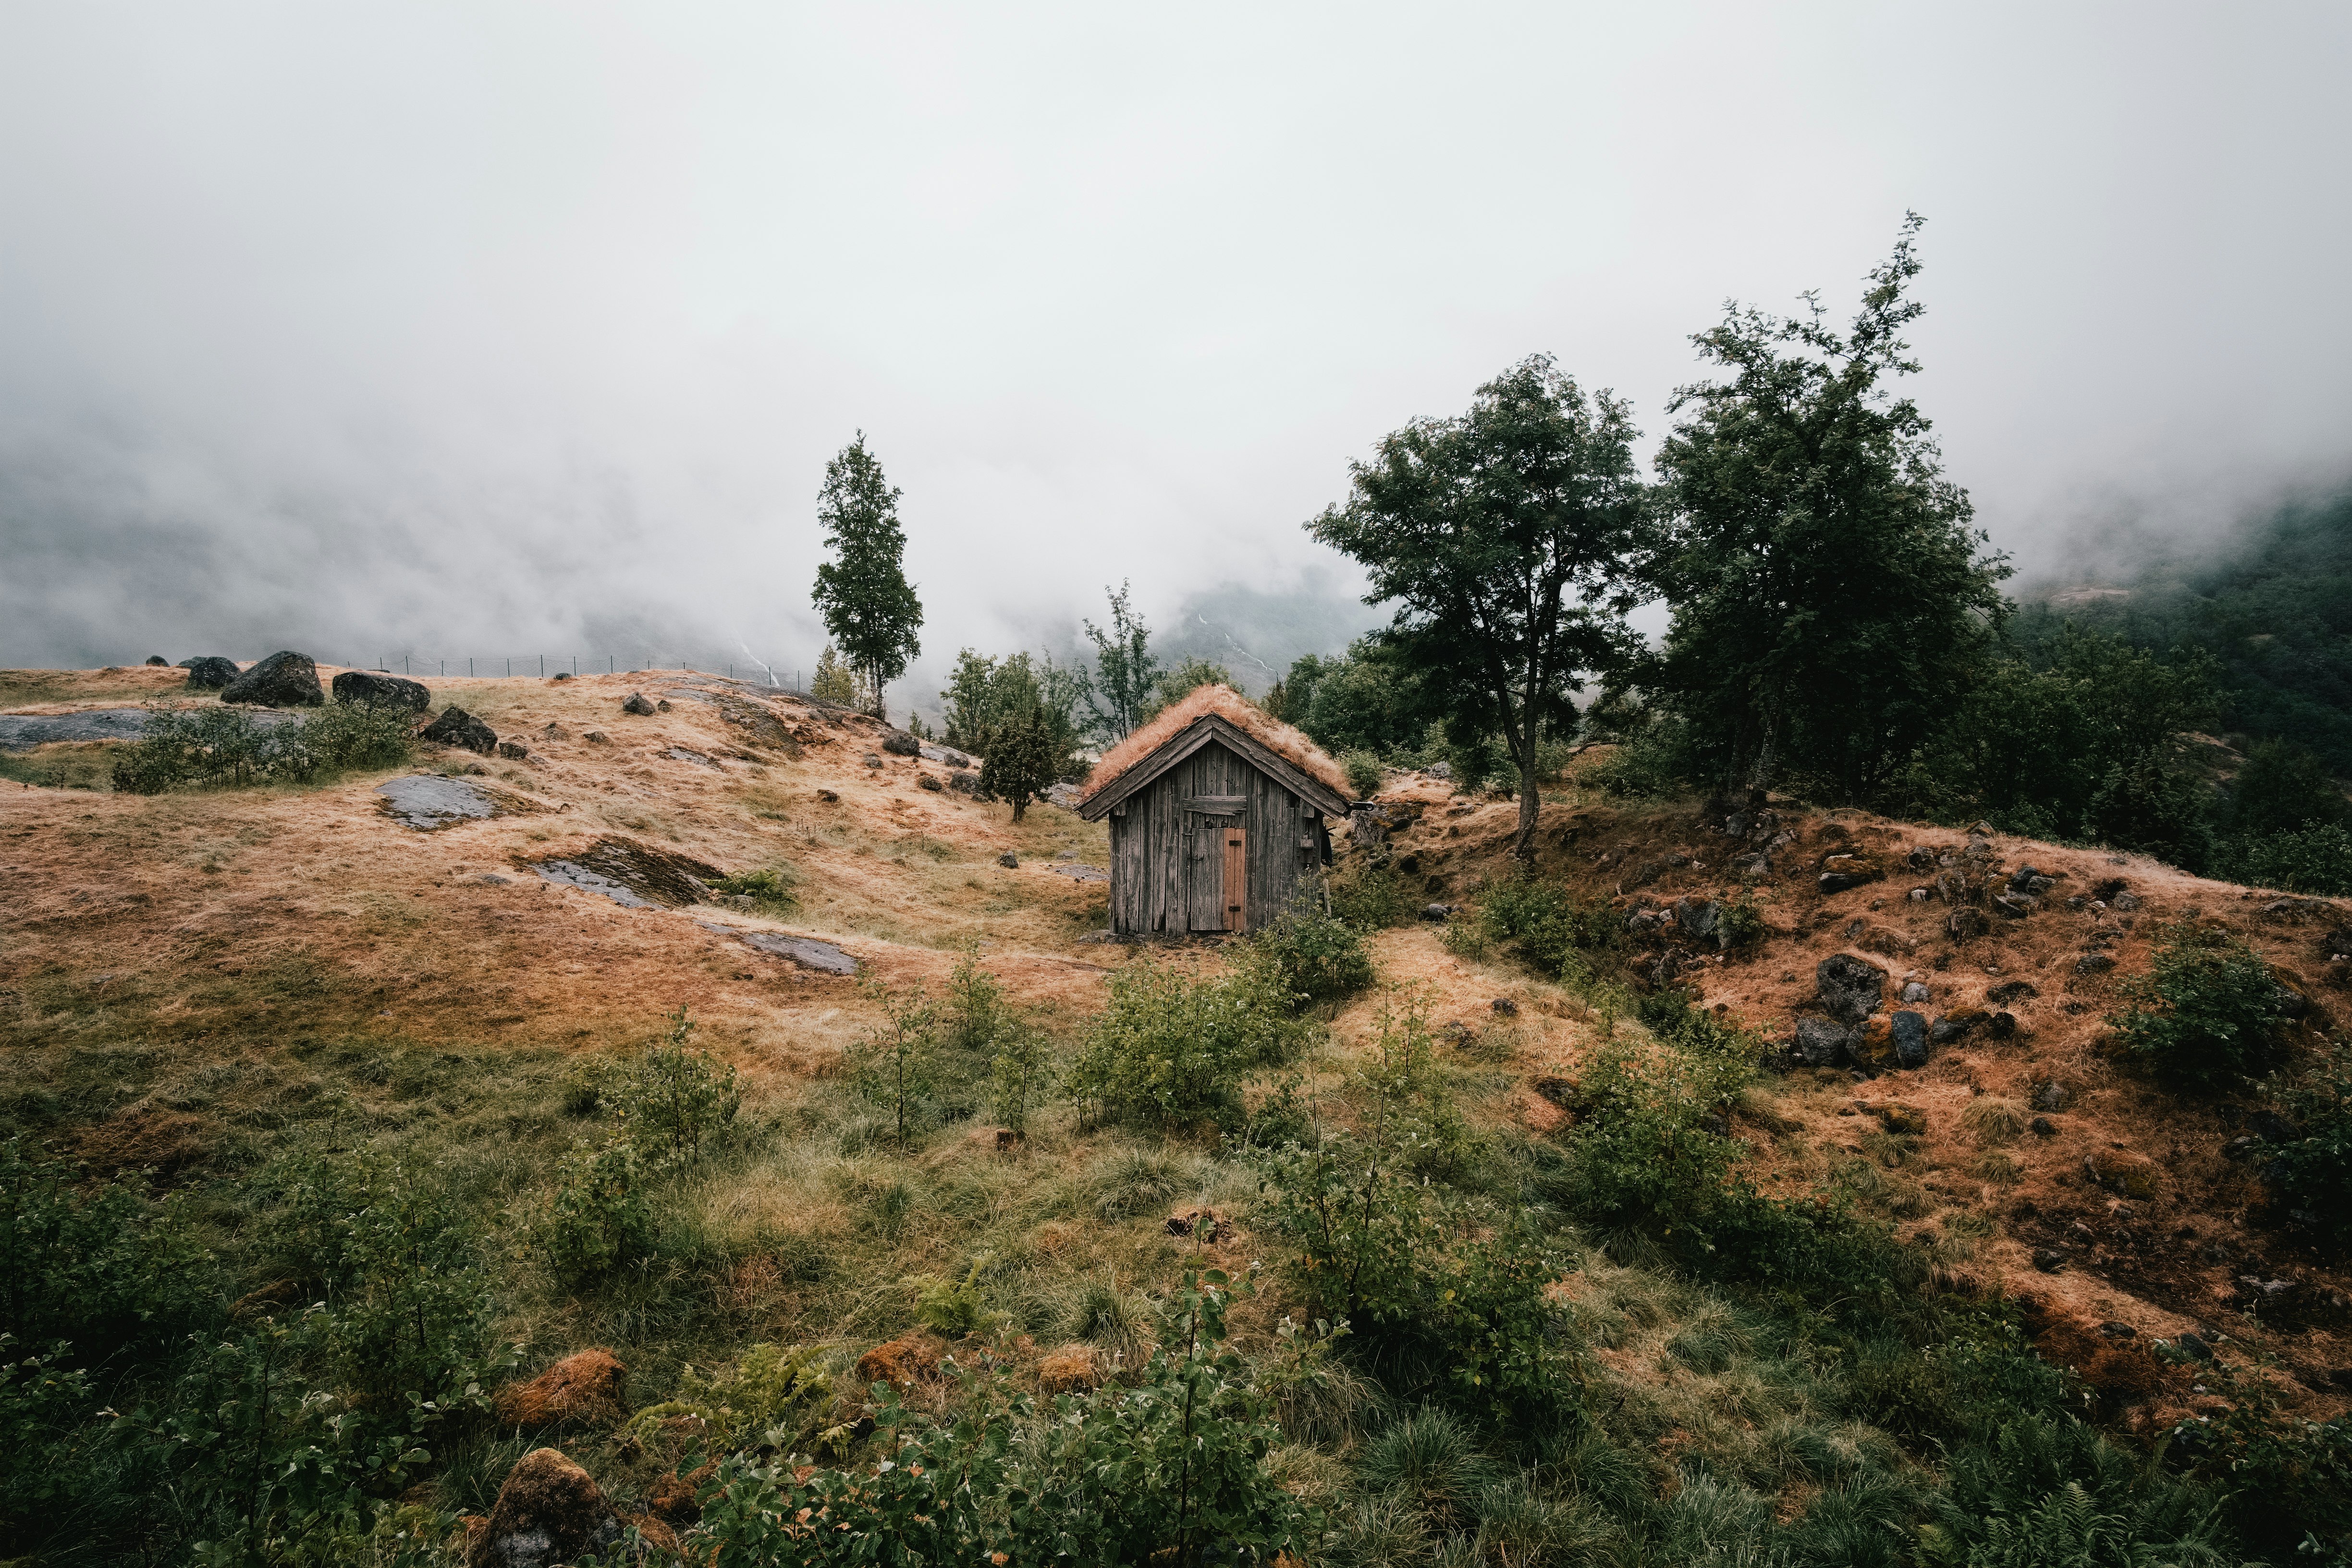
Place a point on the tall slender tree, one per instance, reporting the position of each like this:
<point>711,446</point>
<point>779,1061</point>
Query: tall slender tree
<point>1508,540</point>
<point>1121,694</point>
<point>863,592</point>
<point>1830,605</point>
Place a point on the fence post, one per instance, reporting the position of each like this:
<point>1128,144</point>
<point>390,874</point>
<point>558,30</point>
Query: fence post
<point>470,669</point>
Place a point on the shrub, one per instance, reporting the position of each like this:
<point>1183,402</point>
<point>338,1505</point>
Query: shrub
<point>355,736</point>
<point>1651,766</point>
<point>950,1308</point>
<point>772,1397</point>
<point>673,1099</point>
<point>225,745</point>
<point>2313,860</point>
<point>2313,1172</point>
<point>1364,773</point>
<point>1169,1469</point>
<point>1547,927</point>
<point>1311,955</point>
<point>976,1010</point>
<point>770,887</point>
<point>1172,1051</point>
<point>598,1218</point>
<point>2206,1011</point>
<point>894,1064</point>
<point>1020,1075</point>
<point>95,1264</point>
<point>1368,894</point>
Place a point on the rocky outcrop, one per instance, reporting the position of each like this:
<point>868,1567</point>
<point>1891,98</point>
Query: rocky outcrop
<point>636,702</point>
<point>284,679</point>
<point>550,1512</point>
<point>456,727</point>
<point>371,689</point>
<point>899,743</point>
<point>1850,987</point>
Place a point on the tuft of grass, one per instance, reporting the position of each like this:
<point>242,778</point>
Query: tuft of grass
<point>1994,1120</point>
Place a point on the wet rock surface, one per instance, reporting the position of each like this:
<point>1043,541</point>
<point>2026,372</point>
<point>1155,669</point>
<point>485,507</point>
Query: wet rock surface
<point>429,801</point>
<point>373,689</point>
<point>636,876</point>
<point>807,951</point>
<point>284,679</point>
<point>22,732</point>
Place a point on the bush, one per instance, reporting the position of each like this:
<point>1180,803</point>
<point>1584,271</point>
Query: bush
<point>1019,1075</point>
<point>1653,765</point>
<point>2311,1174</point>
<point>950,1308</point>
<point>672,1100</point>
<point>2208,1011</point>
<point>225,745</point>
<point>1364,773</point>
<point>770,887</point>
<point>1310,956</point>
<point>1548,928</point>
<point>772,1397</point>
<point>598,1218</point>
<point>1172,1051</point>
<point>977,1013</point>
<point>94,1264</point>
<point>2315,860</point>
<point>1170,1469</point>
<point>1367,894</point>
<point>896,1063</point>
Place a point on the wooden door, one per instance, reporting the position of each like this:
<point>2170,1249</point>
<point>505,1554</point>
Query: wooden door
<point>1205,876</point>
<point>1236,845</point>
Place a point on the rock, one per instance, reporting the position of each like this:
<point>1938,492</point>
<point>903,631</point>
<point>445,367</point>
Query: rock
<point>2010,991</point>
<point>2051,1096</point>
<point>372,690</point>
<point>2026,881</point>
<point>159,660</point>
<point>1440,912</point>
<point>2049,1260</point>
<point>426,801</point>
<point>899,744</point>
<point>551,730</point>
<point>1186,1222</point>
<point>586,1387</point>
<point>1910,1032</point>
<point>662,705</point>
<point>550,1512</point>
<point>946,754</point>
<point>1965,922</point>
<point>514,751</point>
<point>2001,1025</point>
<point>2094,963</point>
<point>284,679</point>
<point>2241,1148</point>
<point>1850,987</point>
<point>1906,1119</point>
<point>1821,1042</point>
<point>2043,1127</point>
<point>2193,1345</point>
<point>1913,992</point>
<point>594,737</point>
<point>560,675</point>
<point>1698,919</point>
<point>2121,1171</point>
<point>1953,1026</point>
<point>639,703</point>
<point>928,782</point>
<point>903,1364</point>
<point>1008,860</point>
<point>807,951</point>
<point>1064,795</point>
<point>873,760</point>
<point>209,673</point>
<point>964,782</point>
<point>456,727</point>
<point>2115,1331</point>
<point>1841,881</point>
<point>2123,903</point>
<point>1506,1006</point>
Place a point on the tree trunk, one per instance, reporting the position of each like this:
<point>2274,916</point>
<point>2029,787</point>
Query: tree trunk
<point>1523,848</point>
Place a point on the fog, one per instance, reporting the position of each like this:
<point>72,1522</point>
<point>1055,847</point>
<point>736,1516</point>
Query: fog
<point>484,330</point>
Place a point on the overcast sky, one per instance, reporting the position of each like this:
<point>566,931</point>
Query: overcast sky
<point>486,329</point>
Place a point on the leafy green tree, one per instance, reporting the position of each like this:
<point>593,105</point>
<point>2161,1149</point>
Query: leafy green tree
<point>1830,604</point>
<point>863,592</point>
<point>833,680</point>
<point>1120,695</point>
<point>2285,788</point>
<point>1025,759</point>
<point>896,1065</point>
<point>1508,539</point>
<point>1177,684</point>
<point>1360,701</point>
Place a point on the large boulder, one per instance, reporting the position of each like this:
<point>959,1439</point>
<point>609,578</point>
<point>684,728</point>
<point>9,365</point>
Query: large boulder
<point>550,1512</point>
<point>209,673</point>
<point>456,727</point>
<point>635,703</point>
<point>371,689</point>
<point>1821,1042</point>
<point>284,679</point>
<point>583,1387</point>
<point>1850,987</point>
<point>1910,1032</point>
<point>899,744</point>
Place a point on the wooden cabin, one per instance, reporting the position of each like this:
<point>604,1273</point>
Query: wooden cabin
<point>1218,812</point>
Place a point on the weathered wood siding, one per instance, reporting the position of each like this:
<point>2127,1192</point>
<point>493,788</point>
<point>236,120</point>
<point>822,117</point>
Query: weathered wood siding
<point>1167,859</point>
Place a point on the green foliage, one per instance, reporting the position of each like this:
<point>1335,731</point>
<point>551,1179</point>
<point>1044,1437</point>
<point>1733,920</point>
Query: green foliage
<point>896,1063</point>
<point>1311,955</point>
<point>1120,696</point>
<point>1023,760</point>
<point>863,592</point>
<point>1169,1470</point>
<point>2311,1174</point>
<point>833,680</point>
<point>2288,1479</point>
<point>771,1397</point>
<point>1739,919</point>
<point>1658,763</point>
<point>1364,773</point>
<point>1830,608</point>
<point>2208,1010</point>
<point>674,1100</point>
<point>2317,860</point>
<point>598,1218</point>
<point>1546,926</point>
<point>93,1263</point>
<point>1506,540</point>
<point>1174,685</point>
<point>771,887</point>
<point>952,1307</point>
<point>2285,788</point>
<point>1172,1051</point>
<point>1368,893</point>
<point>2037,1488</point>
<point>223,745</point>
<point>1020,1074</point>
<point>985,695</point>
<point>977,1015</point>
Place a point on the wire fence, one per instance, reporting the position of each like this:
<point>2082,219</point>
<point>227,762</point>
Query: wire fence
<point>541,664</point>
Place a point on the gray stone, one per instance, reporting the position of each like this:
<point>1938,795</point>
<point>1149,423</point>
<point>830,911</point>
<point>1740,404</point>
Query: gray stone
<point>1910,1031</point>
<point>1841,881</point>
<point>2052,1096</point>
<point>948,754</point>
<point>23,732</point>
<point>681,755</point>
<point>2049,1260</point>
<point>2094,963</point>
<point>639,703</point>
<point>1821,1042</point>
<point>1850,987</point>
<point>209,673</point>
<point>1082,873</point>
<point>806,952</point>
<point>899,744</point>
<point>1437,911</point>
<point>371,689</point>
<point>1913,991</point>
<point>964,781</point>
<point>159,660</point>
<point>425,800</point>
<point>456,727</point>
<point>514,751</point>
<point>1698,919</point>
<point>1504,1005</point>
<point>1008,860</point>
<point>284,679</point>
<point>928,782</point>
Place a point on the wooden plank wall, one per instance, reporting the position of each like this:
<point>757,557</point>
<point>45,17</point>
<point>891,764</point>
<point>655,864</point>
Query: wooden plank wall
<point>1148,845</point>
